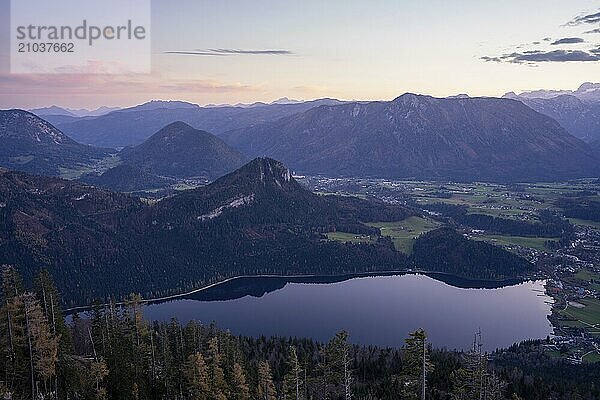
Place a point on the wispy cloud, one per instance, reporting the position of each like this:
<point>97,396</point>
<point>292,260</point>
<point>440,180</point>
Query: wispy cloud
<point>490,59</point>
<point>311,89</point>
<point>229,52</point>
<point>97,84</point>
<point>542,51</point>
<point>538,56</point>
<point>569,40</point>
<point>585,19</point>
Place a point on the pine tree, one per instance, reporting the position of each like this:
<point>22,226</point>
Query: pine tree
<point>416,365</point>
<point>337,369</point>
<point>461,384</point>
<point>16,364</point>
<point>467,381</point>
<point>218,385</point>
<point>196,375</point>
<point>97,373</point>
<point>139,337</point>
<point>293,379</point>
<point>166,361</point>
<point>266,388</point>
<point>47,292</point>
<point>240,390</point>
<point>43,345</point>
<point>494,388</point>
<point>474,380</point>
<point>12,284</point>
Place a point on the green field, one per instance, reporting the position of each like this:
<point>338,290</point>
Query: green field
<point>588,315</point>
<point>185,186</point>
<point>584,222</point>
<point>592,357</point>
<point>572,324</point>
<point>521,202</point>
<point>587,277</point>
<point>403,233</point>
<point>351,237</point>
<point>536,243</point>
<point>99,167</point>
<point>488,204</point>
<point>514,213</point>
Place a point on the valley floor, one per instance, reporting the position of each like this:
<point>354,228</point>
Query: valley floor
<point>573,269</point>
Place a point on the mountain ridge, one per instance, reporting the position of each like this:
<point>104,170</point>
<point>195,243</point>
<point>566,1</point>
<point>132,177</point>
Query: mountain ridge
<point>130,127</point>
<point>580,118</point>
<point>587,91</point>
<point>55,111</point>
<point>421,137</point>
<point>32,144</point>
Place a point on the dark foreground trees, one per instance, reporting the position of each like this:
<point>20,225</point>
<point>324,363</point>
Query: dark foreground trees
<point>113,353</point>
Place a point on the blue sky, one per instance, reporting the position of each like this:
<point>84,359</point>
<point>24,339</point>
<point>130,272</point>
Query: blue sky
<point>338,48</point>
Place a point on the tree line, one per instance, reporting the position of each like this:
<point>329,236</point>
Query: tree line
<point>112,352</point>
<point>549,224</point>
<point>587,208</point>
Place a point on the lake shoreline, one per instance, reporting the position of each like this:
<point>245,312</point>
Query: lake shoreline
<point>378,310</point>
<point>482,283</point>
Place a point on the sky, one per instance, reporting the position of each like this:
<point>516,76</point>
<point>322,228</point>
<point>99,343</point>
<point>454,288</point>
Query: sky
<point>232,51</point>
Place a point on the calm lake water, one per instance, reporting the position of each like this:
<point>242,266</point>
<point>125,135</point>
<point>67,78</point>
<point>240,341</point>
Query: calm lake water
<point>378,310</point>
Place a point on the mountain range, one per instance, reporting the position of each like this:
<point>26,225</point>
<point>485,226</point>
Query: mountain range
<point>81,112</point>
<point>31,144</point>
<point>132,126</point>
<point>177,151</point>
<point>411,137</point>
<point>422,137</point>
<point>588,92</point>
<point>580,118</point>
<point>162,104</point>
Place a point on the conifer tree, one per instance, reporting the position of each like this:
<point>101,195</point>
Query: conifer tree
<point>13,332</point>
<point>293,379</point>
<point>474,380</point>
<point>266,388</point>
<point>138,331</point>
<point>12,284</point>
<point>196,375</point>
<point>416,365</point>
<point>97,372</point>
<point>240,390</point>
<point>43,345</point>
<point>337,369</point>
<point>50,298</point>
<point>218,385</point>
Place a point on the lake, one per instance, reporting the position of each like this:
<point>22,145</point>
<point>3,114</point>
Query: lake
<point>378,310</point>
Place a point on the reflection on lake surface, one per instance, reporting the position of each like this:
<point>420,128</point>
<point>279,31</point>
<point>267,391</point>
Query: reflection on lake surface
<point>378,310</point>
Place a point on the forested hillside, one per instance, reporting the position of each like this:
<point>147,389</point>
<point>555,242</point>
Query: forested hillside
<point>256,220</point>
<point>116,354</point>
<point>446,250</point>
